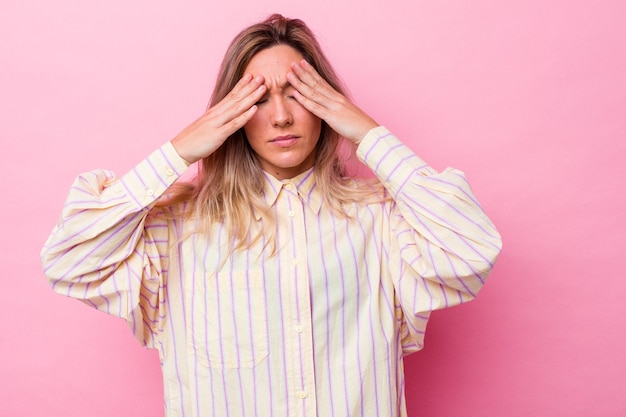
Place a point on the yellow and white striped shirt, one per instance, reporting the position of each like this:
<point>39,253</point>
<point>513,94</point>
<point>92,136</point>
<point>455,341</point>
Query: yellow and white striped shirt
<point>319,328</point>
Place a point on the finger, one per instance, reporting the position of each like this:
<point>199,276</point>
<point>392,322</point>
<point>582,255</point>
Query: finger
<point>242,89</point>
<point>311,98</point>
<point>240,121</point>
<point>240,99</point>
<point>320,110</point>
<point>247,84</point>
<point>308,74</point>
<point>310,83</point>
<point>315,94</point>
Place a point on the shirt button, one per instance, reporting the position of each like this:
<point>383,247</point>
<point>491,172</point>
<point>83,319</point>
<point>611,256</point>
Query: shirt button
<point>291,213</point>
<point>169,172</point>
<point>295,262</point>
<point>299,328</point>
<point>150,192</point>
<point>288,186</point>
<point>301,394</point>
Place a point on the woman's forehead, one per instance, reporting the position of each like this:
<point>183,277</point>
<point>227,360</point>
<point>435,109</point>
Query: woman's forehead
<point>274,61</point>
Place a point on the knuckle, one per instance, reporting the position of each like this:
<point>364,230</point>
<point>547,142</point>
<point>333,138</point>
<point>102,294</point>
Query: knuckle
<point>239,108</point>
<point>234,96</point>
<point>234,124</point>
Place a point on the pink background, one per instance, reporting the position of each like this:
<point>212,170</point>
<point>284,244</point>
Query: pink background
<point>528,98</point>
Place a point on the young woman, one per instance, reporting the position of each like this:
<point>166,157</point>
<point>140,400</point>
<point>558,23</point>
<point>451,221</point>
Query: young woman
<point>276,284</point>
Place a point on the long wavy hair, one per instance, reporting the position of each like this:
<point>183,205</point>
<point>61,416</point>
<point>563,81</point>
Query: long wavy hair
<point>229,185</point>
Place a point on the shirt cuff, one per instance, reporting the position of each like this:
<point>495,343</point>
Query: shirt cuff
<point>153,176</point>
<point>389,159</point>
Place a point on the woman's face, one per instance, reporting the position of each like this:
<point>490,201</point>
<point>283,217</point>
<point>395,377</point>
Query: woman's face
<point>282,133</point>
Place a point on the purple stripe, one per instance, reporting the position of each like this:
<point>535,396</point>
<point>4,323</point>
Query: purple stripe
<point>402,185</point>
<point>436,272</point>
<point>386,154</point>
<point>294,251</point>
<point>267,330</point>
<point>102,297</point>
<point>146,317</point>
<point>177,227</point>
<point>442,245</point>
<point>219,328</point>
<point>379,141</point>
<point>251,335</point>
<point>148,300</point>
<point>305,178</point>
<point>270,199</point>
<point>357,280</point>
<point>72,237</point>
<point>233,313</point>
<point>376,242</point>
<point>343,317</point>
<point>157,173</point>
<point>103,257</point>
<point>280,262</point>
<point>456,274</point>
<point>381,253</point>
<point>402,164</point>
<point>219,262</point>
<point>462,189</point>
<point>130,194</point>
<point>195,293</point>
<point>96,201</point>
<point>169,162</point>
<point>327,309</point>
<point>296,280</point>
<point>451,207</point>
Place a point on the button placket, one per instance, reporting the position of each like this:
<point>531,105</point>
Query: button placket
<point>301,381</point>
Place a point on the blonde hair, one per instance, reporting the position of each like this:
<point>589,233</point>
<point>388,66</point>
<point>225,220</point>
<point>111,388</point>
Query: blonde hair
<point>229,186</point>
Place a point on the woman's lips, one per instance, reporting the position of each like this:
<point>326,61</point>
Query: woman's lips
<point>284,141</point>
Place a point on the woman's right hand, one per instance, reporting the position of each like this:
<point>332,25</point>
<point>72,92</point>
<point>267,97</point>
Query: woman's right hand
<point>210,131</point>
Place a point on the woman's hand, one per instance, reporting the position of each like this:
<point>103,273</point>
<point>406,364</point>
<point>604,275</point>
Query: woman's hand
<point>318,97</point>
<point>210,131</point>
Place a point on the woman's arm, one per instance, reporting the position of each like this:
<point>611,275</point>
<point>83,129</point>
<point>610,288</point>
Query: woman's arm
<point>441,244</point>
<point>108,249</point>
<point>110,245</point>
<point>439,233</point>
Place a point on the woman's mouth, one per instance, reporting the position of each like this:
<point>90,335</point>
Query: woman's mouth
<point>284,141</point>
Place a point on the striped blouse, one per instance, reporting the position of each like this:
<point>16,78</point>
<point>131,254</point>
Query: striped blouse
<point>317,329</point>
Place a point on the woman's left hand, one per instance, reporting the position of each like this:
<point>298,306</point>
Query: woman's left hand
<point>321,99</point>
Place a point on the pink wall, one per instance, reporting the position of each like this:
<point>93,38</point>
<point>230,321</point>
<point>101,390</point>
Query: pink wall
<point>528,98</point>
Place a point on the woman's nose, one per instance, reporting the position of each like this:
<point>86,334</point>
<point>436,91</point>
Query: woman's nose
<point>281,115</point>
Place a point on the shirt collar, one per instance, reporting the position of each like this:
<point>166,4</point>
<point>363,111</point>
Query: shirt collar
<point>304,185</point>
